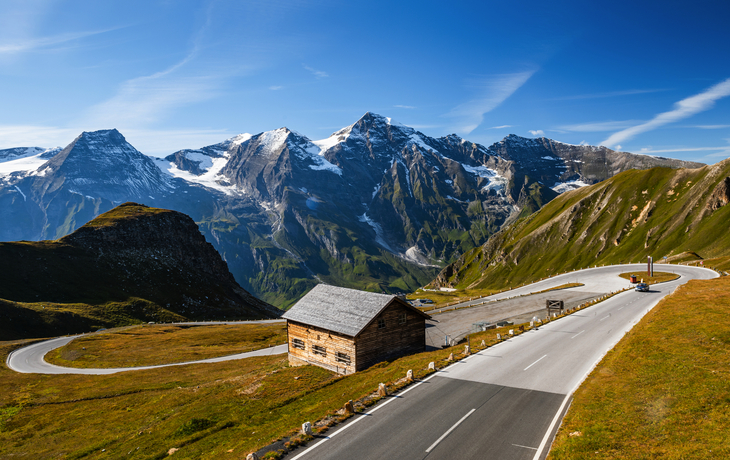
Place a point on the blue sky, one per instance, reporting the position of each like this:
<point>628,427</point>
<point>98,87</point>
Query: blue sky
<point>172,74</point>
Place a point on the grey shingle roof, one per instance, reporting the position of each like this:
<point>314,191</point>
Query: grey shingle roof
<point>342,310</point>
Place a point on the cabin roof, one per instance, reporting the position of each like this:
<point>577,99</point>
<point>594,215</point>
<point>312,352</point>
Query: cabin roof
<point>342,310</point>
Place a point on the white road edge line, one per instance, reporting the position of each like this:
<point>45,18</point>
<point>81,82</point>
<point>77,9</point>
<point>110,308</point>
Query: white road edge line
<point>363,416</point>
<point>552,425</point>
<point>533,363</point>
<point>449,431</point>
<point>576,335</point>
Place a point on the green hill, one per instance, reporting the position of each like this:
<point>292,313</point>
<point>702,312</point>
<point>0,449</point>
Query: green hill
<point>660,212</point>
<point>132,264</point>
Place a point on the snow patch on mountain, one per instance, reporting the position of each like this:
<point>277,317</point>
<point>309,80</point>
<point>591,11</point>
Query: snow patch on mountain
<point>237,140</point>
<point>273,141</point>
<point>498,184</point>
<point>413,254</point>
<point>408,175</point>
<point>481,171</point>
<point>21,192</point>
<point>212,178</point>
<point>378,230</point>
<point>561,187</point>
<point>418,140</point>
<point>27,162</point>
<point>204,161</point>
<point>375,192</point>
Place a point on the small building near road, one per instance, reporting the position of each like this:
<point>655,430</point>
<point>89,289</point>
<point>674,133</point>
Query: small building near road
<point>346,330</point>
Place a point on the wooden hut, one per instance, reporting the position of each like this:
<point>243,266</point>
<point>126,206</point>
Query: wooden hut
<point>346,330</point>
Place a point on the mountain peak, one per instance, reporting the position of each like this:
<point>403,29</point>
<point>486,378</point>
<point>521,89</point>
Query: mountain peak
<point>103,164</point>
<point>103,135</point>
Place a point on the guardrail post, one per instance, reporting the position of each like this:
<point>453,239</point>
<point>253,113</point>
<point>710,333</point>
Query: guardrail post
<point>382,390</point>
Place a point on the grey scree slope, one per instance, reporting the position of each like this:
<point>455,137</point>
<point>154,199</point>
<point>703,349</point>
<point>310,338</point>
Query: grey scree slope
<point>341,310</point>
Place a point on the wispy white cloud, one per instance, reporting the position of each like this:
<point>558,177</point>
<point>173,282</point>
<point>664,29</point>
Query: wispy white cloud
<point>275,87</point>
<point>315,72</point>
<point>404,106</point>
<point>36,136</point>
<point>684,149</point>
<point>710,126</point>
<point>500,127</point>
<point>147,99</point>
<point>682,109</point>
<point>537,132</point>
<point>599,126</point>
<point>33,44</point>
<point>629,92</point>
<point>493,91</point>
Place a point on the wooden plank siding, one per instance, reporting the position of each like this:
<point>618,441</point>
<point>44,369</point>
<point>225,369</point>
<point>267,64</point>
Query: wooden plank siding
<point>332,342</point>
<point>375,344</point>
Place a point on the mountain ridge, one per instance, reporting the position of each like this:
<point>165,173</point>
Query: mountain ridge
<point>659,212</point>
<point>377,205</point>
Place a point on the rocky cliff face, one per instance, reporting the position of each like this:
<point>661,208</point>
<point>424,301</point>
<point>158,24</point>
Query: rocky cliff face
<point>164,251</point>
<point>131,264</point>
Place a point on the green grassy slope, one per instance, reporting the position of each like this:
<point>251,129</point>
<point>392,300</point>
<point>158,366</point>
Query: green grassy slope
<point>658,212</point>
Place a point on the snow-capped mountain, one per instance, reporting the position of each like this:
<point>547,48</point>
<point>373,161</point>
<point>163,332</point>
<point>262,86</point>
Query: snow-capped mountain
<point>376,205</point>
<point>118,170</point>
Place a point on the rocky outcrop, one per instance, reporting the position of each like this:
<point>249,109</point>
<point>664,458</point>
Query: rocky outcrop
<point>163,251</point>
<point>720,196</point>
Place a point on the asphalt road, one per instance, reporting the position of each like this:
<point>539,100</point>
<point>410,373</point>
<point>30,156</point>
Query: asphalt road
<point>29,360</point>
<point>505,402</point>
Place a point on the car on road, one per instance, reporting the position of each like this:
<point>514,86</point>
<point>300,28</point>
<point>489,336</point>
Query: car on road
<point>642,287</point>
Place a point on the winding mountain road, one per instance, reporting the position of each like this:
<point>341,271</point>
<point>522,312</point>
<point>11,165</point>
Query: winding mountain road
<point>30,359</point>
<point>504,402</point>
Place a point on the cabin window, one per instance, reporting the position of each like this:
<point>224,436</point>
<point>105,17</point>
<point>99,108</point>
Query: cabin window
<point>342,358</point>
<point>381,323</point>
<point>319,350</point>
<point>297,343</point>
<point>403,318</point>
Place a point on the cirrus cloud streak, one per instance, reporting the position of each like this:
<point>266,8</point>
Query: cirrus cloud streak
<point>682,109</point>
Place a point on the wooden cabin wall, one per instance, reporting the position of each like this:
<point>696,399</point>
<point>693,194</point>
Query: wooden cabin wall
<point>396,339</point>
<point>331,341</point>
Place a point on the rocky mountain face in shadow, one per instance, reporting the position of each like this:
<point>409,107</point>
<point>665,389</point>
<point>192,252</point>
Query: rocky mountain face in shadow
<point>130,264</point>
